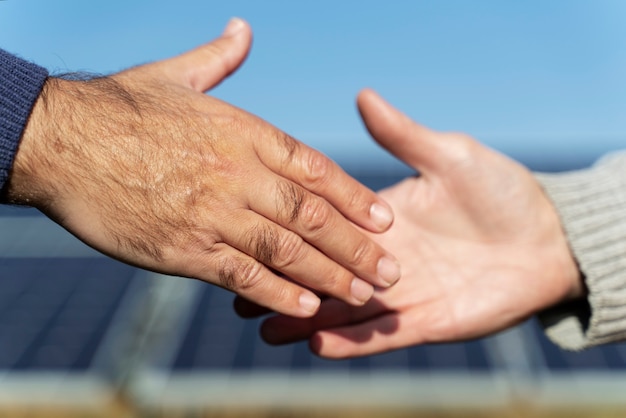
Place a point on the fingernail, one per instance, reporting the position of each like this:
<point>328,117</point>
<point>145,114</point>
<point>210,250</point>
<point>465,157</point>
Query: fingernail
<point>388,270</point>
<point>381,215</point>
<point>309,302</point>
<point>233,27</point>
<point>361,290</point>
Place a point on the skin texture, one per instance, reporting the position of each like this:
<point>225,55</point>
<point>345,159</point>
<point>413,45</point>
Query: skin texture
<point>481,248</point>
<point>145,167</point>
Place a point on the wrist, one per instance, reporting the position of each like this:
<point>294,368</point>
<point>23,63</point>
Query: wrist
<point>565,269</point>
<point>30,180</point>
<point>576,288</point>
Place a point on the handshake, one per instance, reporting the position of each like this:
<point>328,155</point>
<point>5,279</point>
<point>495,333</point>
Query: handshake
<point>145,167</point>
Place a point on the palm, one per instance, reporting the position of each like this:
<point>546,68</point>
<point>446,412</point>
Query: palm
<point>481,249</point>
<point>468,252</point>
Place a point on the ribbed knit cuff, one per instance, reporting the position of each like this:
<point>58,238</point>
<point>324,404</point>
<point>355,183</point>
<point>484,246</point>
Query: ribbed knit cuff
<point>20,85</point>
<point>592,207</point>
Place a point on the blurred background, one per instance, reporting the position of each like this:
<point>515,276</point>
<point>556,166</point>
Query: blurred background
<point>543,82</point>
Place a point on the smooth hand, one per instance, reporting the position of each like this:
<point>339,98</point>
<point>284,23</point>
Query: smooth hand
<point>145,167</point>
<point>480,245</point>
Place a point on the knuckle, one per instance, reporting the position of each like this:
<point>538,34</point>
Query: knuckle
<point>363,253</point>
<point>355,199</point>
<point>251,276</point>
<point>318,168</point>
<point>290,250</point>
<point>338,283</point>
<point>240,275</point>
<point>315,215</point>
<point>215,52</point>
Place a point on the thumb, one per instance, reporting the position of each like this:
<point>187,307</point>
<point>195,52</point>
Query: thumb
<point>206,66</point>
<point>414,144</point>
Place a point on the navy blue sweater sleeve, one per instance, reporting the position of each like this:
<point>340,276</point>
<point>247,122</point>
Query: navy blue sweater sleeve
<point>20,85</point>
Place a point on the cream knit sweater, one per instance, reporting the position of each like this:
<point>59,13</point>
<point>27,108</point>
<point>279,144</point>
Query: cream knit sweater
<point>592,206</point>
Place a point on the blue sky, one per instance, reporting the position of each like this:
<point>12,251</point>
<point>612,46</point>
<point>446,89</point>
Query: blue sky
<point>528,78</point>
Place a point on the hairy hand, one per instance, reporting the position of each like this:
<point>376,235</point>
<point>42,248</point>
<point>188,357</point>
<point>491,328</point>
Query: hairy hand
<point>480,245</point>
<point>145,167</point>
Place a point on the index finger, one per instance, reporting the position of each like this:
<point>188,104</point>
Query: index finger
<point>317,173</point>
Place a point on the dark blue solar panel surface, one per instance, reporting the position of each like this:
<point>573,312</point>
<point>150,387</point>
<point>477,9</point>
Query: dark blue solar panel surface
<point>54,312</point>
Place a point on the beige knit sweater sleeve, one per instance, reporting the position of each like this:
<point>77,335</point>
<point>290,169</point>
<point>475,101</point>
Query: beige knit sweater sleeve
<point>592,207</point>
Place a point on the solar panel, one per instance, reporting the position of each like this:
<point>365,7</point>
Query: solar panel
<point>55,311</point>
